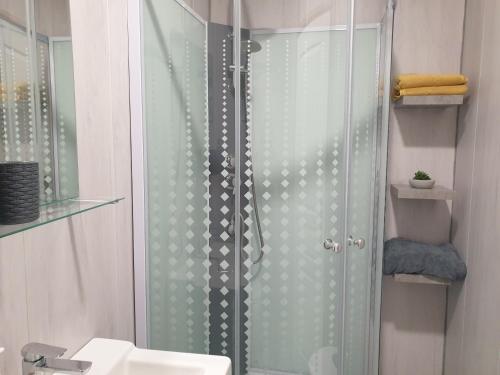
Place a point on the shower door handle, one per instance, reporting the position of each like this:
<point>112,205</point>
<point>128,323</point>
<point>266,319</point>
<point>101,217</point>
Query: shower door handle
<point>360,242</point>
<point>330,244</point>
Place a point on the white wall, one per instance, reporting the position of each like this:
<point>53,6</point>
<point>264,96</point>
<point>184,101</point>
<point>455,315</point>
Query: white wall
<point>71,280</point>
<point>427,38</point>
<point>473,334</point>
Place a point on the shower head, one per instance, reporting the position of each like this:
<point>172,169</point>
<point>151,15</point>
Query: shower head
<point>250,46</point>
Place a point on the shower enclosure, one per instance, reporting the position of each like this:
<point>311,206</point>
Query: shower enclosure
<point>259,148</point>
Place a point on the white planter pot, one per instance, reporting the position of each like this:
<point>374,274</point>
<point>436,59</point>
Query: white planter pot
<point>422,184</point>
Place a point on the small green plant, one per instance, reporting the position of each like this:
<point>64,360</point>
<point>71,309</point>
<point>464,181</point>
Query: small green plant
<point>421,175</point>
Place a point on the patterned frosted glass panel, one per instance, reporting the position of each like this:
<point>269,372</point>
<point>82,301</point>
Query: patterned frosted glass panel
<point>360,211</point>
<point>16,97</point>
<point>46,134</point>
<point>296,120</point>
<point>64,119</point>
<point>175,107</point>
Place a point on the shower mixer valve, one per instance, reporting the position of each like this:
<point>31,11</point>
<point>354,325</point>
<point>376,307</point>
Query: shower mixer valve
<point>230,178</point>
<point>231,162</point>
<point>231,183</point>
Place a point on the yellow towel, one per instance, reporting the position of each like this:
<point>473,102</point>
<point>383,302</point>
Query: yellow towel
<point>408,81</point>
<point>421,91</point>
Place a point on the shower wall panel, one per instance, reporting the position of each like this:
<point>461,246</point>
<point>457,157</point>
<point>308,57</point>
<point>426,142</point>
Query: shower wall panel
<point>177,175</point>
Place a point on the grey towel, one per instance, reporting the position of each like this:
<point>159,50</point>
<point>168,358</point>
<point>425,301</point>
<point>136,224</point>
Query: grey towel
<point>411,257</point>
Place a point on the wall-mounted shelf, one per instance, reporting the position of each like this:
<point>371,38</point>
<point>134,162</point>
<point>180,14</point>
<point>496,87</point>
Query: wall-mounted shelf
<point>420,279</point>
<point>436,193</point>
<point>56,211</point>
<point>432,101</point>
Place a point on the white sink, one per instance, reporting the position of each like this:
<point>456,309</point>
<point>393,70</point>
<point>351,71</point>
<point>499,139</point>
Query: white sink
<point>114,357</point>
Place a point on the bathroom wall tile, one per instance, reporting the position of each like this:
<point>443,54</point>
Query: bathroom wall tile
<point>370,11</point>
<point>412,334</point>
<point>52,18</point>
<point>202,8</point>
<point>104,141</point>
<point>122,178</point>
<point>420,139</point>
<point>71,280</point>
<point>464,171</point>
<point>93,96</point>
<point>221,11</point>
<point>473,346</point>
<point>14,10</point>
<point>74,292</point>
<point>13,308</point>
<point>467,125</point>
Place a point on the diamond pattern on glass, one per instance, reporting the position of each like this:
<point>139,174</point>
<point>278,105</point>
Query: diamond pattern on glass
<point>178,180</point>
<point>293,158</point>
<point>297,128</point>
<point>46,138</point>
<point>4,130</point>
<point>227,218</point>
<point>361,206</point>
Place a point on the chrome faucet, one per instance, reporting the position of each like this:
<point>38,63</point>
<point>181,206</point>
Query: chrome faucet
<point>45,358</point>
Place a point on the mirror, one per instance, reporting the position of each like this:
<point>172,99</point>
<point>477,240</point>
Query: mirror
<point>55,98</point>
<point>37,101</point>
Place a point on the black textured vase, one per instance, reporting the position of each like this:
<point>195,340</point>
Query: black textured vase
<point>19,192</point>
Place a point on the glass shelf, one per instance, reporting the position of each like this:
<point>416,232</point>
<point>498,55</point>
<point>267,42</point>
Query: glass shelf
<point>56,211</point>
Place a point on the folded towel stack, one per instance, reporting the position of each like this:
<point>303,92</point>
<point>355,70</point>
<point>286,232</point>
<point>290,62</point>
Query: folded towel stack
<point>417,258</point>
<point>429,84</point>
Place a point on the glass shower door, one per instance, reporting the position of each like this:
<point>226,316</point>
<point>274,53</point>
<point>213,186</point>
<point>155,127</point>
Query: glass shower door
<point>361,200</point>
<point>296,161</point>
<point>310,173</point>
